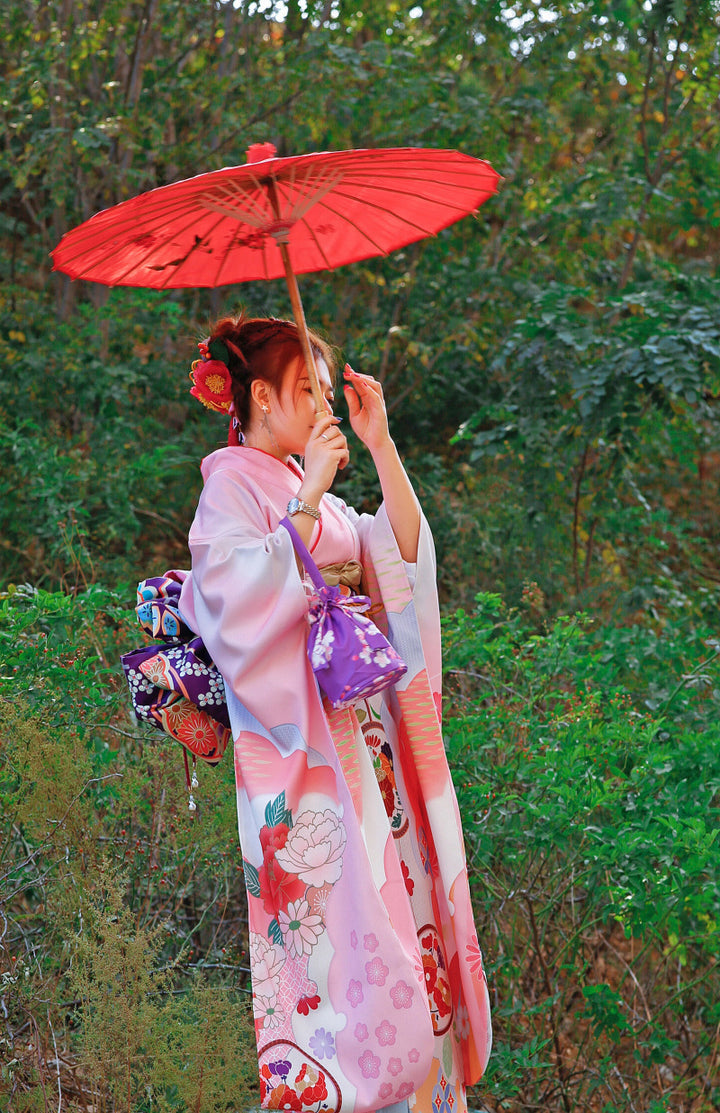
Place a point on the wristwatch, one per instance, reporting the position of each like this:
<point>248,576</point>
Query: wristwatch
<point>297,506</point>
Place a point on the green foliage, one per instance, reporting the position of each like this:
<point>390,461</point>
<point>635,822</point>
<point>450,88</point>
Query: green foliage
<point>592,827</point>
<point>576,313</point>
<point>587,767</point>
<point>123,935</point>
<point>551,370</point>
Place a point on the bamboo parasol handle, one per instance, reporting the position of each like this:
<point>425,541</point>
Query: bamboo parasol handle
<point>297,308</point>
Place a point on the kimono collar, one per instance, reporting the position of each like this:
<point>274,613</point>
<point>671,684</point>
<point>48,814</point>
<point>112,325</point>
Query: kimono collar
<point>251,461</point>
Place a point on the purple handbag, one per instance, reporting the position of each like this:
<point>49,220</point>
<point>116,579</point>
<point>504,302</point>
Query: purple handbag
<point>350,657</point>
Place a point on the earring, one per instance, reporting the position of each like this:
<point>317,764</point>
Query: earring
<point>269,431</point>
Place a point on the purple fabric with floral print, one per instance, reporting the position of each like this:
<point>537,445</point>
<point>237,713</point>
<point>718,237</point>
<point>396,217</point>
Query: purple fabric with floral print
<point>350,657</point>
<point>175,686</point>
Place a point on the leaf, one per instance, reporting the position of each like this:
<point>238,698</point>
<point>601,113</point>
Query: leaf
<point>252,879</point>
<point>275,933</point>
<point>276,812</point>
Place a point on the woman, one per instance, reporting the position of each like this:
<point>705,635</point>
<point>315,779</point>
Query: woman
<point>368,989</point>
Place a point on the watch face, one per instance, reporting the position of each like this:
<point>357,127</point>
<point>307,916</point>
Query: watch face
<point>293,506</point>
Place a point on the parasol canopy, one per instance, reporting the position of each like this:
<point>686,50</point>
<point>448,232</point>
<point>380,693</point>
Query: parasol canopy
<point>277,216</point>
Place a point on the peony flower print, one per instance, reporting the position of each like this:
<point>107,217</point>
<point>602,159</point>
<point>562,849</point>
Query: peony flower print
<point>314,848</point>
<point>266,962</point>
<point>300,927</point>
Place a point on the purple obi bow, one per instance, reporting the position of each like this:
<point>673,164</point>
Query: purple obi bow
<point>175,685</point>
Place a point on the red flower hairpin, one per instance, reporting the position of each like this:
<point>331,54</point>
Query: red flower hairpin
<point>212,384</point>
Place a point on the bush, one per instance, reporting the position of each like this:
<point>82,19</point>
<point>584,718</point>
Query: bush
<point>587,767</point>
<point>591,827</point>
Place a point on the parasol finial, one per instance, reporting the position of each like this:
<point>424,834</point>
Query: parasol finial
<point>258,152</point>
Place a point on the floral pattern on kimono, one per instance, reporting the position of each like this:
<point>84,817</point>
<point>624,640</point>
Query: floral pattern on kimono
<point>368,985</point>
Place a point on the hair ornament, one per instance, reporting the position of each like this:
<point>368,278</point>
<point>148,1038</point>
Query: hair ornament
<point>211,380</point>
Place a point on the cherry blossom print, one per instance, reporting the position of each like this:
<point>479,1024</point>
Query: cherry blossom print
<point>370,942</point>
<point>305,1004</point>
<point>386,1033</point>
<point>354,993</point>
<point>402,995</point>
<point>409,883</point>
<point>266,962</point>
<point>385,1090</point>
<point>376,971</point>
<point>404,1090</point>
<point>322,649</point>
<point>413,1055</point>
<point>318,900</point>
<point>369,1064</point>
<point>323,1044</point>
<point>395,1065</point>
<point>361,1032</point>
<point>300,927</point>
<point>314,848</point>
<point>353,940</point>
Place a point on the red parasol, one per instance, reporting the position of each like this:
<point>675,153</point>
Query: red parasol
<point>277,216</point>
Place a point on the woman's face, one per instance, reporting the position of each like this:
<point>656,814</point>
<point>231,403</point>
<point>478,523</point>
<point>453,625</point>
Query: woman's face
<point>292,408</point>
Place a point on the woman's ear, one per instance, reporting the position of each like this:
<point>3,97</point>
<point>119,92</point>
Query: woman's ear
<point>260,394</point>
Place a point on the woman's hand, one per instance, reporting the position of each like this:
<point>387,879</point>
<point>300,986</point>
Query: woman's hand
<point>366,405</point>
<point>325,452</point>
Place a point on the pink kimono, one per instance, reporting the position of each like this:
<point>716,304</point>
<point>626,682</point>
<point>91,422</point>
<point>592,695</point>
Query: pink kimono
<point>368,984</point>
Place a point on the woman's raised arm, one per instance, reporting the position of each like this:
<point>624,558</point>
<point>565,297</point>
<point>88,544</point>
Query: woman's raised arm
<point>368,418</point>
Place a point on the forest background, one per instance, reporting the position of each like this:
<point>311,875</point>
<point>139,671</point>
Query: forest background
<point>552,370</point>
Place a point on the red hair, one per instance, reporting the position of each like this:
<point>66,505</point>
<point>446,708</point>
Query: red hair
<point>262,348</point>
